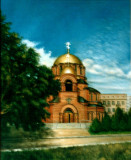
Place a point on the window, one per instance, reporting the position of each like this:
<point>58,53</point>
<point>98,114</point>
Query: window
<point>118,102</point>
<point>76,68</point>
<point>68,85</point>
<point>81,70</point>
<point>96,97</point>
<point>60,69</point>
<point>109,110</point>
<point>91,96</point>
<point>88,114</point>
<point>92,116</point>
<point>104,102</point>
<point>108,102</point>
<point>123,102</point>
<point>113,102</point>
<point>113,109</point>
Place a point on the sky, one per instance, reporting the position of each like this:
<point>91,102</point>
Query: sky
<point>98,30</point>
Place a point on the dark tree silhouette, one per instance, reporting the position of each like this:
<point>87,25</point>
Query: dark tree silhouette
<point>25,84</point>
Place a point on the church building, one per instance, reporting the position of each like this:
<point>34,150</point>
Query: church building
<point>76,102</point>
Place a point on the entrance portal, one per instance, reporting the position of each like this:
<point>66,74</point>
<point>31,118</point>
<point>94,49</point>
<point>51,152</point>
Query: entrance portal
<point>68,116</point>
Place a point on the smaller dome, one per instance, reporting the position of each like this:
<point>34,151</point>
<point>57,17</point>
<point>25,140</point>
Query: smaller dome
<point>68,70</point>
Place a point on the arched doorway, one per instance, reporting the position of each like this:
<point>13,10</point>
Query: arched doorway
<point>68,85</point>
<point>68,116</point>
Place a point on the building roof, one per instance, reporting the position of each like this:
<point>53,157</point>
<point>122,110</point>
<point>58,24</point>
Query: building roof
<point>82,100</point>
<point>92,89</point>
<point>81,81</point>
<point>67,58</point>
<point>96,105</point>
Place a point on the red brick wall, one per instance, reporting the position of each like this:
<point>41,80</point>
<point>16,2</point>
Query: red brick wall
<point>79,109</point>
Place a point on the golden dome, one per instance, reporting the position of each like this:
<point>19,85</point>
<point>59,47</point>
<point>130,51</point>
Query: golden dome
<point>67,58</point>
<point>68,70</point>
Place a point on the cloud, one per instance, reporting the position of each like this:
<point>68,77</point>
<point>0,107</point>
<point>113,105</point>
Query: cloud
<point>45,57</point>
<point>29,43</point>
<point>106,70</point>
<point>102,75</point>
<point>129,75</point>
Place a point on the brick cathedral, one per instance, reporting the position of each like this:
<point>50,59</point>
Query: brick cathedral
<point>76,102</point>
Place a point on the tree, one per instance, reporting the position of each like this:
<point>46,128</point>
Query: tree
<point>25,84</point>
<point>129,120</point>
<point>118,122</point>
<point>95,126</point>
<point>106,122</point>
<point>116,119</point>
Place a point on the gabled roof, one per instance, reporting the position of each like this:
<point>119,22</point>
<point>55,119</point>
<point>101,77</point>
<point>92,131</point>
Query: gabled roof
<point>81,81</point>
<point>92,89</point>
<point>82,100</point>
<point>99,104</point>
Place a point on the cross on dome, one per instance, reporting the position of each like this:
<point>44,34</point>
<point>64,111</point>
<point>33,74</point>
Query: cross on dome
<point>68,45</point>
<point>68,55</point>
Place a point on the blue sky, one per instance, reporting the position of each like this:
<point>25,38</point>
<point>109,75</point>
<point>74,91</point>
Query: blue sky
<point>98,30</point>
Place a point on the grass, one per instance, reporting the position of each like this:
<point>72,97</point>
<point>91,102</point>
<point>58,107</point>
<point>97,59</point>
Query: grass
<point>97,152</point>
<point>110,132</point>
<point>20,133</point>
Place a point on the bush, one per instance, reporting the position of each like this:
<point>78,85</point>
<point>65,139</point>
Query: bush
<point>118,122</point>
<point>129,124</point>
<point>106,123</point>
<point>114,124</point>
<point>122,125</point>
<point>95,126</point>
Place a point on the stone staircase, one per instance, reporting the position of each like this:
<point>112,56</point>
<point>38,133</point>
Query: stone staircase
<point>67,125</point>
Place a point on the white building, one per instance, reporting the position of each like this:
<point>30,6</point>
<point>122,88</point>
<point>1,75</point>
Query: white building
<point>112,101</point>
<point>128,102</point>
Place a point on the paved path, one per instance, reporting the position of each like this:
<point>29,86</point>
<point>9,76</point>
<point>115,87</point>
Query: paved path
<point>70,132</point>
<point>63,138</point>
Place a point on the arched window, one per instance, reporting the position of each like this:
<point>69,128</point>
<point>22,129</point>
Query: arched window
<point>68,85</point>
<point>96,97</point>
<point>60,69</point>
<point>68,110</point>
<point>91,115</point>
<point>76,68</point>
<point>81,70</point>
<point>91,96</point>
<point>88,115</point>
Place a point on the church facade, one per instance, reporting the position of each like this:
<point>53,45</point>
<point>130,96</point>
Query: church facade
<point>76,102</point>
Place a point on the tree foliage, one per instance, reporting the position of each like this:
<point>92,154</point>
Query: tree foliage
<point>25,84</point>
<point>120,121</point>
<point>106,122</point>
<point>95,126</point>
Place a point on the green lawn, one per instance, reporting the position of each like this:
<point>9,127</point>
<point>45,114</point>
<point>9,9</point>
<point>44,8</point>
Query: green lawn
<point>97,152</point>
<point>111,132</point>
